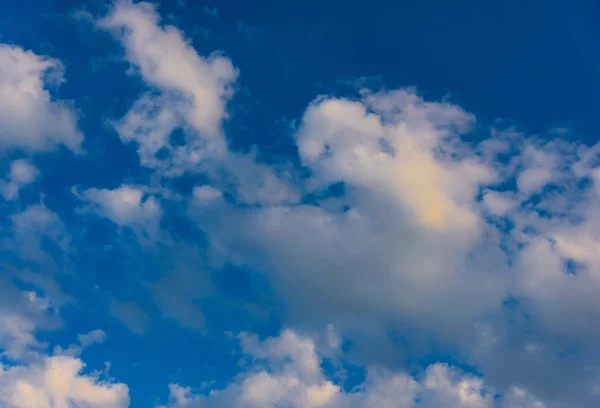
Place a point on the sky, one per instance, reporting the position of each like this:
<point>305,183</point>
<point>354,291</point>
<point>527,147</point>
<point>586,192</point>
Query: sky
<point>299,204</point>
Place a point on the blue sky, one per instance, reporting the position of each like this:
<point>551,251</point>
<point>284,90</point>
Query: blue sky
<point>311,204</point>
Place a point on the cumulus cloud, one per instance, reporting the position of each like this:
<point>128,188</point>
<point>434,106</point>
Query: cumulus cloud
<point>126,206</point>
<point>499,203</point>
<point>398,244</point>
<point>287,371</point>
<point>30,118</point>
<point>192,90</point>
<point>488,249</point>
<point>29,378</point>
<point>21,173</point>
<point>409,243</point>
<point>177,126</point>
<point>58,381</point>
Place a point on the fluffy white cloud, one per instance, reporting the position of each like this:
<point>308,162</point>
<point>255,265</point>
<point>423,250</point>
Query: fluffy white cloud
<point>409,245</point>
<point>192,89</point>
<point>29,378</point>
<point>499,203</point>
<point>189,97</point>
<point>21,173</point>
<point>398,245</point>
<point>540,166</point>
<point>126,206</point>
<point>286,371</point>
<point>57,381</point>
<point>397,145</point>
<point>30,118</point>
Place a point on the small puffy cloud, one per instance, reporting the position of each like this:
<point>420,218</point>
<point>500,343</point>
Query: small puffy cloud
<point>206,194</point>
<point>29,378</point>
<point>533,179</point>
<point>21,173</point>
<point>83,340</point>
<point>30,118</point>
<point>126,206</point>
<point>499,203</point>
<point>57,381</point>
<point>93,337</point>
<point>542,164</point>
<point>451,388</point>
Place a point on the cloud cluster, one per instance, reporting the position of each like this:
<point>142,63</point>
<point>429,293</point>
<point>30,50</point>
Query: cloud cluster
<point>57,381</point>
<point>287,371</point>
<point>126,206</point>
<point>30,378</point>
<point>404,243</point>
<point>177,124</point>
<point>432,234</point>
<point>408,237</point>
<point>21,173</point>
<point>30,119</point>
<point>430,238</point>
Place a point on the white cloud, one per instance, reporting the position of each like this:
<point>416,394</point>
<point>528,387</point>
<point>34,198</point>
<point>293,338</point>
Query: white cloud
<point>286,371</point>
<point>206,194</point>
<point>499,203</point>
<point>453,389</point>
<point>22,173</point>
<point>407,247</point>
<point>126,206</point>
<point>193,89</point>
<point>387,143</point>
<point>518,397</point>
<point>29,378</point>
<point>29,117</point>
<point>401,251</point>
<point>57,381</point>
<point>93,337</point>
<point>189,96</point>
